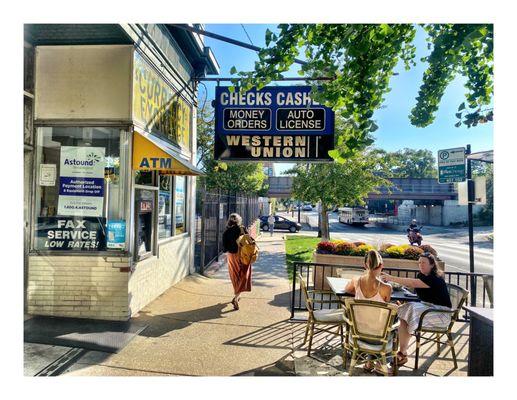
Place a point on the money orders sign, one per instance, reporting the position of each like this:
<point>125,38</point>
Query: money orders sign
<point>277,123</point>
<point>81,181</point>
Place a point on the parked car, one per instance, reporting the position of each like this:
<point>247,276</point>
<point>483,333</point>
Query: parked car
<point>307,207</point>
<point>280,223</point>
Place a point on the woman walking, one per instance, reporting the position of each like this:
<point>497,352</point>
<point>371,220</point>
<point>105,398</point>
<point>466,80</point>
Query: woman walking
<point>240,274</point>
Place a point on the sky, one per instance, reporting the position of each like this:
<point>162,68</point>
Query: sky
<point>395,130</point>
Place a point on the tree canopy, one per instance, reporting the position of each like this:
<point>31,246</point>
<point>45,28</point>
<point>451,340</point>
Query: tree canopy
<point>406,163</point>
<point>331,184</point>
<point>361,59</point>
<point>232,176</point>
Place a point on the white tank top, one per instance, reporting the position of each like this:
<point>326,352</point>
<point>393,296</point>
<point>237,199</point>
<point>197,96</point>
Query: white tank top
<point>360,296</point>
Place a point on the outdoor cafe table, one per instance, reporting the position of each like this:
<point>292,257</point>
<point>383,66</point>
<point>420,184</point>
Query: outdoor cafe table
<point>337,285</point>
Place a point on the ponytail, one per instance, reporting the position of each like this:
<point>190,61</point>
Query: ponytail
<point>373,260</point>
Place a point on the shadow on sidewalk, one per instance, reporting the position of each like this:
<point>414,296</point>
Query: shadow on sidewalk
<point>160,325</point>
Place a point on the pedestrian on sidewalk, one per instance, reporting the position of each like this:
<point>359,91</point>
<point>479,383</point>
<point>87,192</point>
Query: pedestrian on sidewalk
<point>240,274</point>
<point>271,223</point>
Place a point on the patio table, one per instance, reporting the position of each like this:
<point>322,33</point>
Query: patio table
<point>337,285</point>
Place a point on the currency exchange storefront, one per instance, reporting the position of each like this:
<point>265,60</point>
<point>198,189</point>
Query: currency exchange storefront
<point>111,217</point>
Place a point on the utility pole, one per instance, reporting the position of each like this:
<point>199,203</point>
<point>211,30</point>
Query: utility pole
<point>470,199</point>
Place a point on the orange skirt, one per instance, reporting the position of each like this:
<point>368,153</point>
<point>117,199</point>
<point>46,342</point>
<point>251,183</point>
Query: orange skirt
<point>240,275</point>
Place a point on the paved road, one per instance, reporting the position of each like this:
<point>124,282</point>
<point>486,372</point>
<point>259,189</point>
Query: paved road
<point>451,244</point>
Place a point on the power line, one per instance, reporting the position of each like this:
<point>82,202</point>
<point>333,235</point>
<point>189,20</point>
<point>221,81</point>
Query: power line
<point>225,39</point>
<point>246,32</point>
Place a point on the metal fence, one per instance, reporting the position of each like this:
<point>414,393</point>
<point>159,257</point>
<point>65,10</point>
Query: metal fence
<point>314,274</point>
<point>212,211</point>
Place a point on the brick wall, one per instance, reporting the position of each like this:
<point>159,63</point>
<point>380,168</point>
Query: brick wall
<point>78,286</point>
<point>153,276</point>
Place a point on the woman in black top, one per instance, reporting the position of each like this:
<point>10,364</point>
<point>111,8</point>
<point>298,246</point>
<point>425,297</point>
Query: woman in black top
<point>240,274</point>
<point>431,288</point>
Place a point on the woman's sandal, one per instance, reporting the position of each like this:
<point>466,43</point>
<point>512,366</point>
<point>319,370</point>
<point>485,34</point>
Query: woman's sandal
<point>235,304</point>
<point>401,359</point>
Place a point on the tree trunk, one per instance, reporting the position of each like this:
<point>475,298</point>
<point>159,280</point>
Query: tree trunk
<point>325,234</point>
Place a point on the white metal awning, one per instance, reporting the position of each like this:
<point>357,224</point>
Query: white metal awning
<point>485,156</point>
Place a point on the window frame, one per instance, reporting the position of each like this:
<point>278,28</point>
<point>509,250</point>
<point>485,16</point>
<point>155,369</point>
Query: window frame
<point>125,137</point>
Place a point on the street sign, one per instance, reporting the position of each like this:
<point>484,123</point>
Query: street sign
<point>451,165</point>
<point>276,123</point>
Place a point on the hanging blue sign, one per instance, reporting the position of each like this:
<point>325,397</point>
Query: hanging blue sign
<point>278,123</point>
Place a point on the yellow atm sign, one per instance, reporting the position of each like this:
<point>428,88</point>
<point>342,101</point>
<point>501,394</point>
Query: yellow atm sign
<point>158,107</point>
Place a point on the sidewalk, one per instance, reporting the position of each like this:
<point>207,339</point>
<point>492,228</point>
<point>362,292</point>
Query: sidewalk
<point>193,329</point>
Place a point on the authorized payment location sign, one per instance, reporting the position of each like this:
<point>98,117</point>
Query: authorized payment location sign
<point>451,165</point>
<point>278,123</point>
<point>81,181</point>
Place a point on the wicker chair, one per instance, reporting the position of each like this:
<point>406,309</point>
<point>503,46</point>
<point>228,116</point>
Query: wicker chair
<point>458,297</point>
<point>488,281</point>
<point>373,334</point>
<point>328,318</point>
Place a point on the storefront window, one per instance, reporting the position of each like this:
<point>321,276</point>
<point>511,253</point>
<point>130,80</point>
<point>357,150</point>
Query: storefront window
<point>165,207</point>
<point>179,203</point>
<point>80,189</point>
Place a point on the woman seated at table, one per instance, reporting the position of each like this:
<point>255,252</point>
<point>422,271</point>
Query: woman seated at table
<point>432,290</point>
<point>369,287</point>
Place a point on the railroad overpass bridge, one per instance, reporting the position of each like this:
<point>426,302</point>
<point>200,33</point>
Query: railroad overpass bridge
<point>402,189</point>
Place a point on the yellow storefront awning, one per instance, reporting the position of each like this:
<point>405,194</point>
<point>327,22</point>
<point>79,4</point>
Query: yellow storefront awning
<point>153,154</point>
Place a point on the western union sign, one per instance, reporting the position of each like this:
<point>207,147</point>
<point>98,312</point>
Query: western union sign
<point>157,106</point>
<point>277,123</point>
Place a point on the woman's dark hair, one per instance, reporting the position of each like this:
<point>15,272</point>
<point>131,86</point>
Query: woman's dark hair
<point>235,219</point>
<point>432,260</point>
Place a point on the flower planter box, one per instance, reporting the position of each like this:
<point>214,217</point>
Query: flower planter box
<point>320,283</point>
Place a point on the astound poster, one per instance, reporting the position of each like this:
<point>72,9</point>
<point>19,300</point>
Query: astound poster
<point>71,233</point>
<point>81,181</point>
<point>278,123</point>
<point>116,234</point>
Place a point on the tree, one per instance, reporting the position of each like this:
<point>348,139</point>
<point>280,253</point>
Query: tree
<point>232,176</point>
<point>406,163</point>
<point>346,183</point>
<point>361,59</point>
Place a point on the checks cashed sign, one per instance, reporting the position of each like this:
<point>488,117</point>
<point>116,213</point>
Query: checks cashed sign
<point>81,181</point>
<point>278,123</point>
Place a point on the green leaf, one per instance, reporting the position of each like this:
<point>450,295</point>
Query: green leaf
<point>233,70</point>
<point>269,35</point>
<point>461,107</point>
<point>334,154</point>
<point>458,115</point>
<point>457,124</point>
<point>223,166</point>
<point>231,89</point>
